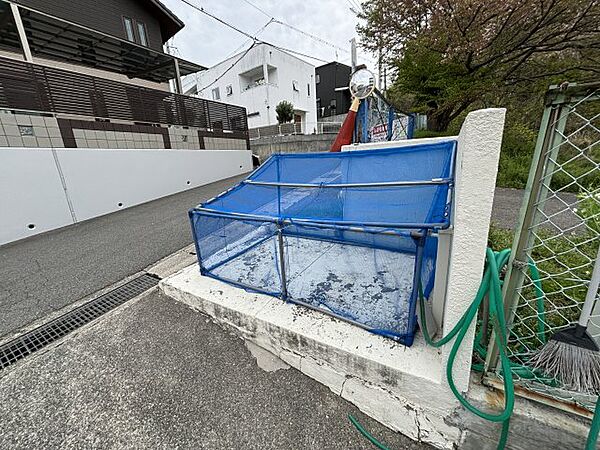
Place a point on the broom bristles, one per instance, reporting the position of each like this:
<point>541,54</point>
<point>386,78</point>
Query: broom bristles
<point>576,368</point>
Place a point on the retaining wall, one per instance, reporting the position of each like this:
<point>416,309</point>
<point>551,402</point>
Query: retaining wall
<point>302,143</point>
<point>44,189</point>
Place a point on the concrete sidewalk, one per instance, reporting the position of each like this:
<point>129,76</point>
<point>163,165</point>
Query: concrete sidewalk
<point>154,374</point>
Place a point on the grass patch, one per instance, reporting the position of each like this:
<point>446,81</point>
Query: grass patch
<point>420,134</point>
<point>513,171</point>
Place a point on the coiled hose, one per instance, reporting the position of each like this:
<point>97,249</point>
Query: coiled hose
<point>490,287</point>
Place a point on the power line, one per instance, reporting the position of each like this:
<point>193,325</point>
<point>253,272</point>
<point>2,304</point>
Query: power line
<point>289,50</point>
<point>233,53</point>
<point>229,68</point>
<point>298,30</point>
<point>259,9</point>
<point>316,38</point>
<point>203,11</point>
<point>352,7</point>
<point>255,35</point>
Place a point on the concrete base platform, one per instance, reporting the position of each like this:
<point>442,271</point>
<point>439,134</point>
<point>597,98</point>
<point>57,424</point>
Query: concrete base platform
<point>403,388</point>
<point>386,380</point>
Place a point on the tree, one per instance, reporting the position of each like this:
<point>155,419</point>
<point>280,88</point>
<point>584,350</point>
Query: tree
<point>285,111</point>
<point>448,54</point>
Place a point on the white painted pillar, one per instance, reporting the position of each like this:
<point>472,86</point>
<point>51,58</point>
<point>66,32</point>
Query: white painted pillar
<point>21,30</point>
<point>479,144</point>
<point>265,69</point>
<point>265,72</point>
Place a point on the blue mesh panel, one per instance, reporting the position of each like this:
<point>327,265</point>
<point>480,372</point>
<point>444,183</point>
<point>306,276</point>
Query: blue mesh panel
<point>356,252</point>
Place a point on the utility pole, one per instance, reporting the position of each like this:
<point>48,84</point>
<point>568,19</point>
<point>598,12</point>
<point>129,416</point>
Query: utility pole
<point>384,80</point>
<point>353,54</point>
<point>379,74</point>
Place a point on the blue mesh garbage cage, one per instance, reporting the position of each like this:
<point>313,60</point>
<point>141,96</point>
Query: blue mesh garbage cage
<point>351,234</point>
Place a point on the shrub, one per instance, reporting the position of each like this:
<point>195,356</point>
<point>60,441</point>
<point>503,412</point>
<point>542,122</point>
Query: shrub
<point>285,111</point>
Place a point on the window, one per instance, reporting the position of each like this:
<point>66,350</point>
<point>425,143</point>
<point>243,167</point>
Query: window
<point>308,88</point>
<point>317,78</point>
<point>135,31</point>
<point>295,85</point>
<point>129,29</point>
<point>216,95</point>
<point>142,33</point>
<point>229,90</point>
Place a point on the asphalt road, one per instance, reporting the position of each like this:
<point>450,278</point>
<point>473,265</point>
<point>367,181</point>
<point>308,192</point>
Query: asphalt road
<point>507,203</point>
<point>153,374</point>
<point>45,273</point>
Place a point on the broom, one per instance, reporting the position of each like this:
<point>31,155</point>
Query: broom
<point>571,355</point>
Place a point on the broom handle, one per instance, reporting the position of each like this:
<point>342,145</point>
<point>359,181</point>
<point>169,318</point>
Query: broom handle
<point>586,311</point>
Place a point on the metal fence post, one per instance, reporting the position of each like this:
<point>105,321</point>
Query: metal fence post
<point>284,293</point>
<point>557,232</point>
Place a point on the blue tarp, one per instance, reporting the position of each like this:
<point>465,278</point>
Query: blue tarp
<point>356,231</point>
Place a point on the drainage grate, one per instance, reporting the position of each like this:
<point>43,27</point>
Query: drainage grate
<point>45,334</point>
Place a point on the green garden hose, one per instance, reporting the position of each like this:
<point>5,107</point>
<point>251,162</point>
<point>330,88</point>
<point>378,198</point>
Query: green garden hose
<point>490,287</point>
<point>592,438</point>
<point>366,434</point>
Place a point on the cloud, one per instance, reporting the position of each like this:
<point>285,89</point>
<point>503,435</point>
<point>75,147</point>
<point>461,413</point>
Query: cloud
<point>207,42</point>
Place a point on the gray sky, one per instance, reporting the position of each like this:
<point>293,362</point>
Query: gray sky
<point>207,42</point>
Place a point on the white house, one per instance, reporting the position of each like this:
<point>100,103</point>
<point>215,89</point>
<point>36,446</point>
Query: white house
<point>261,78</point>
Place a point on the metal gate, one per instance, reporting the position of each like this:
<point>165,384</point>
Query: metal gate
<point>556,241</point>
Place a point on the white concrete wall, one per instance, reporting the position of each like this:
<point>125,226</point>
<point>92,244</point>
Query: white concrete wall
<point>264,98</point>
<point>461,250</point>
<point>31,194</point>
<point>44,189</point>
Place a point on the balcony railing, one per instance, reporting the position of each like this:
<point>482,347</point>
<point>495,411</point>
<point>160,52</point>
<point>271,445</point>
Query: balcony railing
<point>34,87</point>
<point>295,128</point>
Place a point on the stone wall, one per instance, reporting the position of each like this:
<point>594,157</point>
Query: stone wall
<point>266,146</point>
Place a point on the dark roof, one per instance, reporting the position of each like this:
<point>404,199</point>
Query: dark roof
<point>337,63</point>
<point>170,24</point>
<point>58,39</point>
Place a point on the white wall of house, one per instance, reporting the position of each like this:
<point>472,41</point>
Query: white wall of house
<point>259,81</point>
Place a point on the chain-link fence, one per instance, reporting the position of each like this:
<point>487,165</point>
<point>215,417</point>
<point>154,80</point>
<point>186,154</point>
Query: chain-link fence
<point>378,120</point>
<point>557,239</point>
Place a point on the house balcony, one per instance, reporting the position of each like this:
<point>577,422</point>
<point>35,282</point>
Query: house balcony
<point>49,37</point>
<point>88,111</point>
